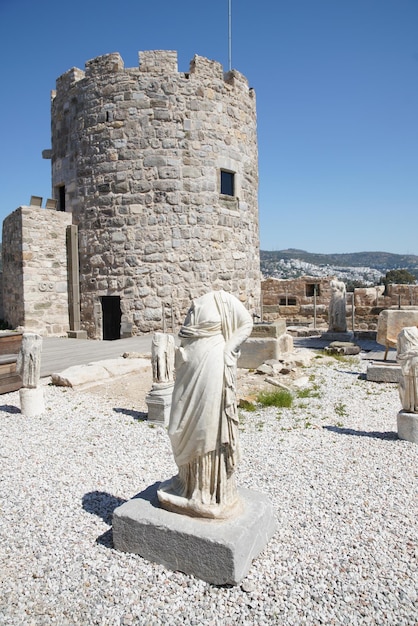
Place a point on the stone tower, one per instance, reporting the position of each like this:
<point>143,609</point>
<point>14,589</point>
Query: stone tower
<point>159,170</point>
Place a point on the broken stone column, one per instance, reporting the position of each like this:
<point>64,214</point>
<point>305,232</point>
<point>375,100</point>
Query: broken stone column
<point>28,367</point>
<point>162,360</point>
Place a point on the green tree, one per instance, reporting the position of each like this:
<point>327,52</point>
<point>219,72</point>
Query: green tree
<point>350,284</point>
<point>398,277</point>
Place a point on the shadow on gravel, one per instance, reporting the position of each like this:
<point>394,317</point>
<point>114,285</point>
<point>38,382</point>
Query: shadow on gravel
<point>390,435</point>
<point>352,373</point>
<point>9,408</point>
<point>102,504</point>
<point>137,415</point>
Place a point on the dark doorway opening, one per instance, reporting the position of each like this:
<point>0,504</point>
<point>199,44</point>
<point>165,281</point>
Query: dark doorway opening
<point>111,317</point>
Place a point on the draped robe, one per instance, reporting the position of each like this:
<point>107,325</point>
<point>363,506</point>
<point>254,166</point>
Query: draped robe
<point>407,356</point>
<point>203,426</point>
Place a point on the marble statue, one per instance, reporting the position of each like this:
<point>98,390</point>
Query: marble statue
<point>407,355</point>
<point>337,321</point>
<point>162,358</point>
<point>203,426</point>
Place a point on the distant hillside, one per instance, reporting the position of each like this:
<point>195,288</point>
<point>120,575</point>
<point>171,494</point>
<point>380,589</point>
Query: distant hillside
<point>355,269</point>
<point>382,261</point>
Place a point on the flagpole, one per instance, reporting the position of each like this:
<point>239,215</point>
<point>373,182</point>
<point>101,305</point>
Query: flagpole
<point>229,37</point>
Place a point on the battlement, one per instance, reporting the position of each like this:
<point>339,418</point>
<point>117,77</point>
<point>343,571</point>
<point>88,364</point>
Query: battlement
<point>201,67</point>
<point>106,64</point>
<point>67,80</point>
<point>156,62</point>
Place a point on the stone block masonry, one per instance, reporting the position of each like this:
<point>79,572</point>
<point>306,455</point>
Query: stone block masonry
<point>137,157</point>
<point>35,270</point>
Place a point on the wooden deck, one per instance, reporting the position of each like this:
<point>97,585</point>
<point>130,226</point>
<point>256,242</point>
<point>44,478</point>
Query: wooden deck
<point>58,353</point>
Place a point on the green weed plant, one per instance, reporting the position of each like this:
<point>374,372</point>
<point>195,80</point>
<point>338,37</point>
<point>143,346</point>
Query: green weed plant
<point>280,398</point>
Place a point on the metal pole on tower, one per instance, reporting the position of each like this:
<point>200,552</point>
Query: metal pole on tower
<point>229,36</point>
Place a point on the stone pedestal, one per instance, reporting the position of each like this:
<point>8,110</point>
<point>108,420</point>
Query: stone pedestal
<point>219,552</point>
<point>408,426</point>
<point>384,372</point>
<point>159,403</point>
<point>338,336</point>
<point>31,401</point>
<point>77,334</point>
<point>255,351</point>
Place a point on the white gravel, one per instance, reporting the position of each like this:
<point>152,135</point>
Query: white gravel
<point>343,486</point>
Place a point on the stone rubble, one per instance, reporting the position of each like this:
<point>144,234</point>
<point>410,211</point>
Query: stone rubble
<point>343,486</point>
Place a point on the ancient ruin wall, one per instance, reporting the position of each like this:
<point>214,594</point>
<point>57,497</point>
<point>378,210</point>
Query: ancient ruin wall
<point>35,270</point>
<point>137,155</point>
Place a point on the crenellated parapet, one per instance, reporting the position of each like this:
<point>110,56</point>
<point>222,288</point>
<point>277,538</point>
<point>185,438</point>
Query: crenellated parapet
<point>157,62</point>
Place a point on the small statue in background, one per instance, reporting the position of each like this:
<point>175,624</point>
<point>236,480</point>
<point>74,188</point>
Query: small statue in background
<point>407,347</point>
<point>337,322</point>
<point>162,358</point>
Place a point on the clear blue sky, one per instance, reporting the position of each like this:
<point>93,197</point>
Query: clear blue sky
<point>337,101</point>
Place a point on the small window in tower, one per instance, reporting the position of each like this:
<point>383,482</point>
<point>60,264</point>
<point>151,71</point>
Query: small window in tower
<point>61,198</point>
<point>227,183</point>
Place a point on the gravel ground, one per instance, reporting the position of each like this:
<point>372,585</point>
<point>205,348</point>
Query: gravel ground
<point>343,486</point>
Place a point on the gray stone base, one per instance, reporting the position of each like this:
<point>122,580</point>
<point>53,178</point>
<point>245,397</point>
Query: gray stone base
<point>77,334</point>
<point>31,401</point>
<point>335,336</point>
<point>383,372</point>
<point>408,426</point>
<point>219,552</point>
<point>159,403</point>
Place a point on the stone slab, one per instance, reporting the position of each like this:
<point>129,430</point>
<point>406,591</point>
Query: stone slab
<point>274,330</point>
<point>390,323</point>
<point>407,426</point>
<point>217,551</point>
<point>255,351</point>
<point>383,372</point>
<point>85,376</point>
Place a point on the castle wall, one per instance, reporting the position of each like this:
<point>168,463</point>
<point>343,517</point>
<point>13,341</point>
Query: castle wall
<point>293,300</point>
<point>35,270</point>
<point>137,154</point>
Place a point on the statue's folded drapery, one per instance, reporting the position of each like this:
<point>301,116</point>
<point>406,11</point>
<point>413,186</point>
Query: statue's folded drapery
<point>407,355</point>
<point>203,425</point>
